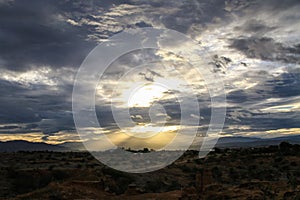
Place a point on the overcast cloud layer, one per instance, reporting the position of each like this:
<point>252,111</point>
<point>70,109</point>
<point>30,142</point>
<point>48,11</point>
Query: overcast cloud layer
<point>255,47</point>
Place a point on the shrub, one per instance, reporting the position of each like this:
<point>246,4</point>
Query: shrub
<point>216,174</point>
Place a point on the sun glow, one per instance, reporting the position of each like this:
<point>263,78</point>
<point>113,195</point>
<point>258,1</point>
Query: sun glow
<point>148,130</point>
<point>145,95</point>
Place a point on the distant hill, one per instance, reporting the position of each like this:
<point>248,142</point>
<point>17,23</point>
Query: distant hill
<point>240,142</point>
<point>73,146</point>
<point>223,142</point>
<point>21,145</point>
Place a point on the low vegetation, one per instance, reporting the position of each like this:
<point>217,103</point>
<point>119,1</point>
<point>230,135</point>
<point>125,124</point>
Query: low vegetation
<point>254,173</point>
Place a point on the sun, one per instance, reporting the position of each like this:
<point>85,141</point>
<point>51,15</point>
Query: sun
<point>144,95</point>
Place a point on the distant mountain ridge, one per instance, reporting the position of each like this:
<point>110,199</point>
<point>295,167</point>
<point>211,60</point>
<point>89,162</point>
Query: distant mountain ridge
<point>21,145</point>
<point>240,142</point>
<point>223,142</point>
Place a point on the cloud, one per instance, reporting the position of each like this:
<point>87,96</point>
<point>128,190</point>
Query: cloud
<point>6,1</point>
<point>36,34</point>
<point>253,45</point>
<point>267,49</point>
<point>37,100</point>
<point>255,27</point>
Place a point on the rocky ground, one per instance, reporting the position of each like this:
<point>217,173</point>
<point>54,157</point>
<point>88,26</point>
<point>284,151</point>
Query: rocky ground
<point>254,173</point>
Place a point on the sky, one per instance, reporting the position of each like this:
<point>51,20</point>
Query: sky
<point>254,47</point>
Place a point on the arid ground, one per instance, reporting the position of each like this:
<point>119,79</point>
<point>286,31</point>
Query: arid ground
<point>254,173</point>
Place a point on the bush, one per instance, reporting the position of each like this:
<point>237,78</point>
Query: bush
<point>121,179</point>
<point>59,175</point>
<point>26,181</point>
<point>217,174</point>
<point>155,186</point>
<point>285,148</point>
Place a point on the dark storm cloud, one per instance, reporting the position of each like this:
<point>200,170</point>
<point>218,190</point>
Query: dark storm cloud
<point>56,124</point>
<point>238,96</point>
<point>142,24</point>
<point>17,111</point>
<point>258,93</point>
<point>287,85</point>
<point>220,63</point>
<point>20,130</point>
<point>250,104</point>
<point>105,118</point>
<point>32,34</point>
<point>37,33</point>
<point>48,113</point>
<point>262,121</point>
<point>255,27</point>
<point>194,12</point>
<point>268,31</point>
<point>266,49</point>
<point>276,5</point>
<point>250,96</point>
<point>13,108</point>
<point>9,127</point>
